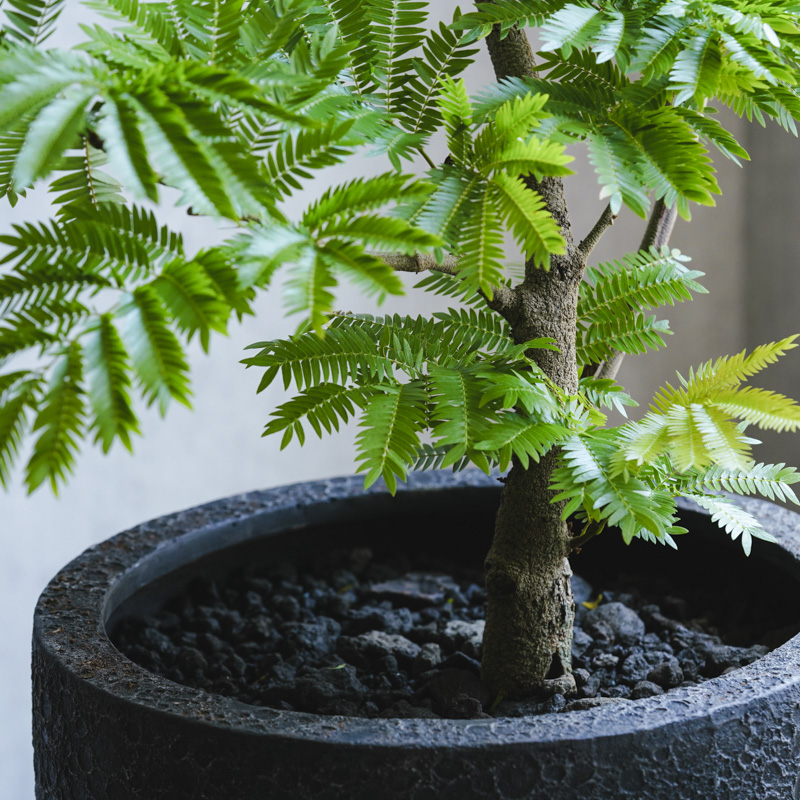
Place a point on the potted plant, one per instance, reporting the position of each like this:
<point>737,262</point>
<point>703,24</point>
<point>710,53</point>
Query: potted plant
<point>238,105</point>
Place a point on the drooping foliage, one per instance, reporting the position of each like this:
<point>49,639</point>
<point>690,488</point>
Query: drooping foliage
<point>236,106</point>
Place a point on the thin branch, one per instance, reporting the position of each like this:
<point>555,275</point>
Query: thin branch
<point>606,220</point>
<point>591,530</point>
<point>419,262</point>
<point>427,158</point>
<point>659,229</point>
<point>501,300</point>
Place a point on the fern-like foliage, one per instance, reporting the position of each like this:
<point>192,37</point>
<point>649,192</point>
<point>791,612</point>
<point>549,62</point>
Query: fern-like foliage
<point>30,21</point>
<point>615,295</point>
<point>239,107</point>
<point>481,401</point>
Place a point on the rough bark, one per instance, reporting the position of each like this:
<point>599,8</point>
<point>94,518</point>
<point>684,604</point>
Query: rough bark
<point>528,635</point>
<point>530,611</point>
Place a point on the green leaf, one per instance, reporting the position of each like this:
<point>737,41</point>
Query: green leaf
<point>389,440</point>
<point>54,130</point>
<point>32,21</point>
<point>617,164</point>
<point>122,135</point>
<point>156,354</point>
<point>189,296</point>
<point>638,281</point>
<point>371,274</point>
<point>461,422</point>
<point>108,371</point>
<point>571,26</point>
<point>588,478</point>
<point>524,439</point>
<point>531,157</point>
<point>61,420</point>
<point>323,406</point>
<point>770,480</point>
<point>732,519</point>
<point>308,289</point>
<point>18,397</point>
<point>481,245</point>
<point>534,228</point>
<point>343,354</point>
<point>696,72</point>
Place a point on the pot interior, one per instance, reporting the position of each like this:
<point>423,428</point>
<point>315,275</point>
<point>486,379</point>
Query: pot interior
<point>458,524</point>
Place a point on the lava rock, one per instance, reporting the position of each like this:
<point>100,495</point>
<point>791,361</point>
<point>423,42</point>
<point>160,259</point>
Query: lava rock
<point>158,642</point>
<point>429,657</point>
<point>565,685</point>
<point>449,684</point>
<point>635,668</point>
<point>324,687</point>
<point>581,641</point>
<point>581,676</point>
<point>720,657</point>
<point>466,636</point>
<point>459,660</point>
<point>691,663</point>
<point>368,648</point>
<point>374,618</point>
<point>313,639</point>
<point>415,589</point>
<point>645,689</point>
<point>605,661</point>
<point>460,706</point>
<point>625,624</point>
<point>667,675</point>
<point>191,660</point>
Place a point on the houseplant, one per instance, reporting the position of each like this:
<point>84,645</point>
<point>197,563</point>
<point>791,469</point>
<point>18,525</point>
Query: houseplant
<point>235,106</point>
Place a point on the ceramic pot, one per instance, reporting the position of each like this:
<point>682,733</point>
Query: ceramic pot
<point>106,729</point>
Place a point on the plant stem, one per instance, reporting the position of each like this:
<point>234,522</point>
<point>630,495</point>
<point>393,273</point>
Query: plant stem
<point>528,634</point>
<point>427,158</point>
<point>659,229</point>
<point>606,220</point>
<point>501,299</point>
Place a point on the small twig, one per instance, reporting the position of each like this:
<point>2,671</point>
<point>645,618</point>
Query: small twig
<point>591,530</point>
<point>501,300</point>
<point>606,220</point>
<point>419,262</point>
<point>425,156</point>
<point>659,229</point>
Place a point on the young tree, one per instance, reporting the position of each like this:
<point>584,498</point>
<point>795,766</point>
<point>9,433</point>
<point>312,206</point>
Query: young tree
<point>238,104</point>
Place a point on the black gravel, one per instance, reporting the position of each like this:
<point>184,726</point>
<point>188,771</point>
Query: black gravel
<point>355,635</point>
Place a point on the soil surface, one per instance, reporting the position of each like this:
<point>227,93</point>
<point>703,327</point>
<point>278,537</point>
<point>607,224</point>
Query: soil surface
<point>353,634</point>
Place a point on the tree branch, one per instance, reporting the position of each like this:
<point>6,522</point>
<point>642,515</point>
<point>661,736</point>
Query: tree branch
<point>659,229</point>
<point>419,262</point>
<point>501,300</point>
<point>589,532</point>
<point>606,220</point>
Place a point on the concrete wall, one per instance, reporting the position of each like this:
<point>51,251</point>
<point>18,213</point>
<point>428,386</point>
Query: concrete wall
<point>192,457</point>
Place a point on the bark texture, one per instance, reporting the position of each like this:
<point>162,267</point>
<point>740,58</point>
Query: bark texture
<point>528,635</point>
<point>530,611</point>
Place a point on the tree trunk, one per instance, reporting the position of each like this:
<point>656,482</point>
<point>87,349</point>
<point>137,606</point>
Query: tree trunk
<point>530,611</point>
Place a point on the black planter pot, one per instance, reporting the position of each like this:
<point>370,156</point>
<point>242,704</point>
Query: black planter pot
<point>106,729</point>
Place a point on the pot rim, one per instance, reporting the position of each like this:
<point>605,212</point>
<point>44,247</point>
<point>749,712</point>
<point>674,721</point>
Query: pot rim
<point>70,618</point>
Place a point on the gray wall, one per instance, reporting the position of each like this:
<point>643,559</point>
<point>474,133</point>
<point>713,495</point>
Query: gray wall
<point>193,457</point>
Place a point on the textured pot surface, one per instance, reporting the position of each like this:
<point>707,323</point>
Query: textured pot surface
<point>106,729</point>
